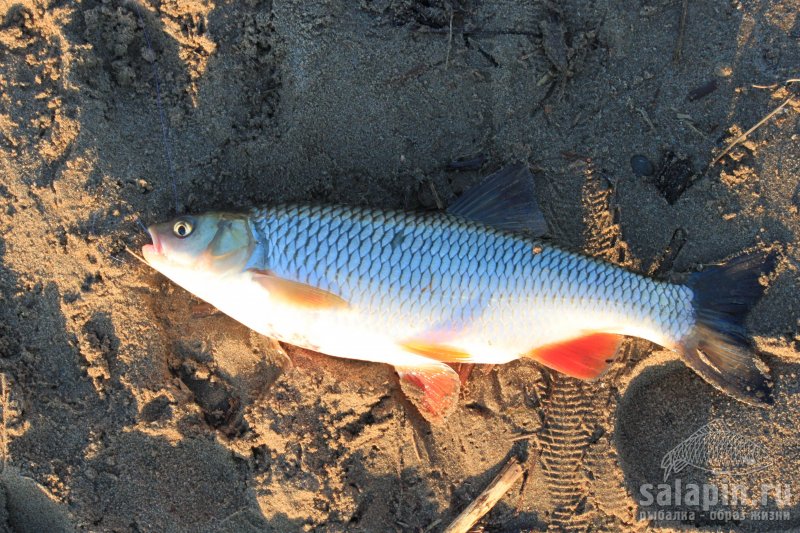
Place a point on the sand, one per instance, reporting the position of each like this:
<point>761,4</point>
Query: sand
<point>131,406</point>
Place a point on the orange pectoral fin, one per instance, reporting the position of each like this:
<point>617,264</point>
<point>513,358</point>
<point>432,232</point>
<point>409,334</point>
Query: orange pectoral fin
<point>432,388</point>
<point>298,294</point>
<point>438,352</point>
<point>584,357</point>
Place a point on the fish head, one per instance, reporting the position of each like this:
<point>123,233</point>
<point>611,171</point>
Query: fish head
<point>214,243</point>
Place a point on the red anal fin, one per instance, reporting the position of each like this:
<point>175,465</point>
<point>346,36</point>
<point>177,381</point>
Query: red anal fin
<point>584,357</point>
<point>433,389</point>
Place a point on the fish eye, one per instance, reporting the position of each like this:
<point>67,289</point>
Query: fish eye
<point>182,228</point>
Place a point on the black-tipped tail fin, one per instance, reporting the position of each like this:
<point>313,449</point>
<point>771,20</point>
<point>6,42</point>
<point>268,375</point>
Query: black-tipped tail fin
<point>719,348</point>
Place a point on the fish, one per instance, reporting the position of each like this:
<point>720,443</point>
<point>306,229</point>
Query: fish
<point>477,283</point>
<point>716,449</point>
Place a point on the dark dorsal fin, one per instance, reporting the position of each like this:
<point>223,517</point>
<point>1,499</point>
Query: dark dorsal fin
<point>505,200</point>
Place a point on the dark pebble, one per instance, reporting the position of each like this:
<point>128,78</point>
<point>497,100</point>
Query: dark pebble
<point>642,166</point>
<point>702,91</point>
<point>467,163</point>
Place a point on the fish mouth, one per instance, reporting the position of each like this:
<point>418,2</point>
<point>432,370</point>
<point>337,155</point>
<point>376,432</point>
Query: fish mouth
<point>152,250</point>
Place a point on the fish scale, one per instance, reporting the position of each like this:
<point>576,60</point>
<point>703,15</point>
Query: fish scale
<point>486,282</point>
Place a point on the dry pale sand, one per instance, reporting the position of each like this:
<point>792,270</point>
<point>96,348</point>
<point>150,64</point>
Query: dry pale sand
<point>130,406</point>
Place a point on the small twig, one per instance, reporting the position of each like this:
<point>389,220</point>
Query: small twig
<point>524,436</point>
<point>137,256</point>
<point>412,73</point>
<point>687,120</point>
<point>141,224</point>
<point>439,204</point>
<point>676,54</point>
<point>481,33</point>
<point>646,118</point>
<point>744,135</point>
<point>774,85</point>
<point>449,41</point>
<point>694,129</point>
<point>487,499</point>
<point>118,260</point>
<point>432,525</point>
<point>4,420</point>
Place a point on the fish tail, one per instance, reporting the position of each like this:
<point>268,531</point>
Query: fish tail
<point>718,348</point>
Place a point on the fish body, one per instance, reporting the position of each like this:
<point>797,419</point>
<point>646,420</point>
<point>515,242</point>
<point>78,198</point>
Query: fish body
<point>416,290</point>
<point>490,295</point>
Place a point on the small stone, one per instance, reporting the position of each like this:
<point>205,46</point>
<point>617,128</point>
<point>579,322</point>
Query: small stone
<point>148,55</point>
<point>642,166</point>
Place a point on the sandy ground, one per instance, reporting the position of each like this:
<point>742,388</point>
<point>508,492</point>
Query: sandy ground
<point>130,406</point>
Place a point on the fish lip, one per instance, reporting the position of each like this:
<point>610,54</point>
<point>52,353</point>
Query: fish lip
<point>155,239</point>
<point>155,249</point>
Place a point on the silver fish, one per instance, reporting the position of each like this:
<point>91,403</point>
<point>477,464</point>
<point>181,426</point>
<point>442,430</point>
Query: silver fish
<point>470,285</point>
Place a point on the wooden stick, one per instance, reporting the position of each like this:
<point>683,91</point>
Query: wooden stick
<point>676,54</point>
<point>449,40</point>
<point>744,135</point>
<point>4,433</point>
<point>487,499</point>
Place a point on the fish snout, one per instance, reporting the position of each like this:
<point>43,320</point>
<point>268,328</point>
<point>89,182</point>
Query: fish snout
<point>154,249</point>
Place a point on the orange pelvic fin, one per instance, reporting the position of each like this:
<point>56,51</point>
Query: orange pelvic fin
<point>297,293</point>
<point>464,370</point>
<point>432,388</point>
<point>585,357</point>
